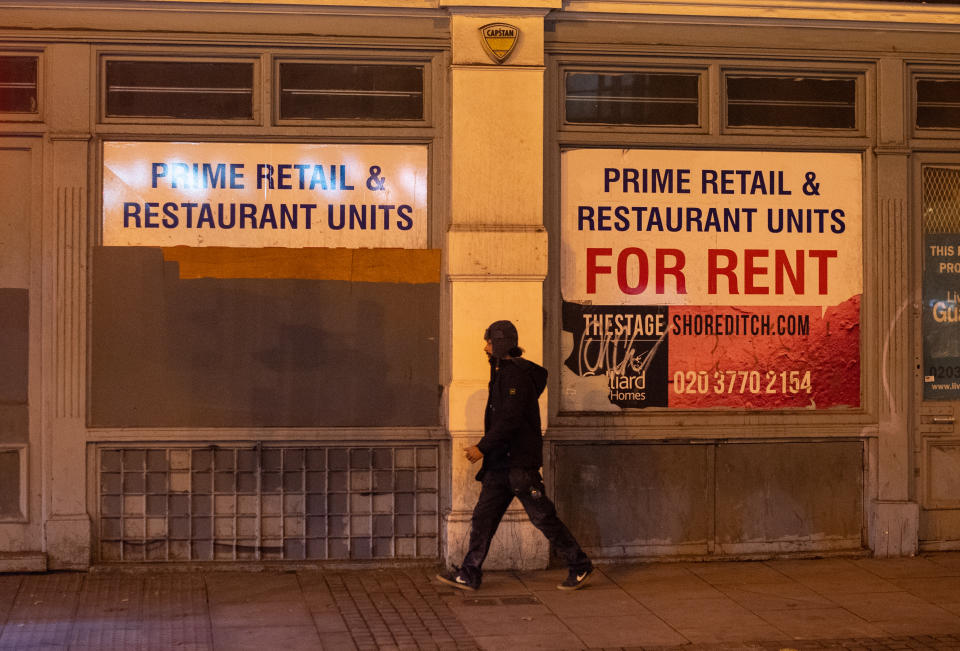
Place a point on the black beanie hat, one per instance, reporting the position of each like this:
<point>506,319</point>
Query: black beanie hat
<point>502,336</point>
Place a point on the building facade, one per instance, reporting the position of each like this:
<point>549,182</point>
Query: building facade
<point>249,250</point>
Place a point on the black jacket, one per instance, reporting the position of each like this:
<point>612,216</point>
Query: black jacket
<point>511,424</point>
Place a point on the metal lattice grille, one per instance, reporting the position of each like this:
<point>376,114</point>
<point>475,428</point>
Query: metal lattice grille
<point>941,200</point>
<point>268,503</point>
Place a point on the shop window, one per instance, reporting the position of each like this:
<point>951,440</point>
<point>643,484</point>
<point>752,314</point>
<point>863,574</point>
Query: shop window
<point>791,101</point>
<point>941,231</point>
<point>18,84</point>
<point>180,89</point>
<point>633,98</point>
<point>339,91</point>
<point>938,103</point>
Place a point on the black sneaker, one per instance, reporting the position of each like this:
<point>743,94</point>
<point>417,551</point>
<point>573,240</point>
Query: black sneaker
<point>576,579</point>
<point>458,579</point>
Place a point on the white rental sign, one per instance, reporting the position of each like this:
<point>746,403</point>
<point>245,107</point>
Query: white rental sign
<point>674,227</point>
<point>264,195</point>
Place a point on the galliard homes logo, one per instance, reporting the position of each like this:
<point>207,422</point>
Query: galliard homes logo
<point>499,39</point>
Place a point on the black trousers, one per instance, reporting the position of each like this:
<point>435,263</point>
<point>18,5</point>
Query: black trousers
<point>498,490</point>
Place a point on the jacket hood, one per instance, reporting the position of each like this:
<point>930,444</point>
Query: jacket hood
<point>502,336</point>
<point>536,372</point>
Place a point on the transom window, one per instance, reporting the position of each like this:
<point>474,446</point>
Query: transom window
<point>338,91</point>
<point>938,103</point>
<point>18,84</point>
<point>180,89</point>
<point>633,98</point>
<point>761,100</point>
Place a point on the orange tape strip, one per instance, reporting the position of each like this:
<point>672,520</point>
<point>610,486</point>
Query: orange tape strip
<point>416,266</point>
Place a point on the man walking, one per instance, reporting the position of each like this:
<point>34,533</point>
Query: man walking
<point>512,453</point>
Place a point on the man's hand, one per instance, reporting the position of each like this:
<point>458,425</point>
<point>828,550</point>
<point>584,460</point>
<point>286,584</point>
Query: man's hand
<point>473,454</point>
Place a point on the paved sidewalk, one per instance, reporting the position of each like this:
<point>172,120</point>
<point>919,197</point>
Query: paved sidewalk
<point>837,603</point>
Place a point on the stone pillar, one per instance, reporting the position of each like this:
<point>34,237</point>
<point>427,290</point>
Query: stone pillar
<point>894,518</point>
<point>496,246</point>
<point>65,227</point>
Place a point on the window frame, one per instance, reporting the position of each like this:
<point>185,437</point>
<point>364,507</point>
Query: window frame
<point>825,71</point>
<point>649,423</point>
<point>927,72</point>
<point>24,116</point>
<point>700,74</point>
<point>700,70</point>
<point>423,62</point>
<point>256,118</point>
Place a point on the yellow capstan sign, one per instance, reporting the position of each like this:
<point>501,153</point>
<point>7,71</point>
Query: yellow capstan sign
<point>499,39</point>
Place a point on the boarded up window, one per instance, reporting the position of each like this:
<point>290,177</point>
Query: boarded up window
<point>255,352</point>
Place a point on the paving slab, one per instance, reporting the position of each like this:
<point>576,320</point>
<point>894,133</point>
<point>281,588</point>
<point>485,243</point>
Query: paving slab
<point>797,568</point>
<point>761,597</point>
<point>952,607</point>
<point>329,623</point>
<point>556,641</point>
<point>901,613</point>
<point>888,605</point>
<point>180,633</point>
<point>903,568</point>
<point>337,641</point>
<point>712,620</point>
<point>507,619</point>
<point>590,602</point>
<point>662,583</point>
<point>814,623</point>
<point>644,629</point>
<point>315,591</point>
<point>624,574</point>
<point>941,590</point>
<point>850,581</point>
<point>258,638</point>
<point>948,560</point>
<point>95,636</point>
<point>113,602</point>
<point>43,611</point>
<point>265,613</point>
<point>21,635</point>
<point>252,587</point>
<point>725,573</point>
<point>9,587</point>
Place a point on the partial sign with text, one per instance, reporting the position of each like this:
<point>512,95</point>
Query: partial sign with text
<point>264,195</point>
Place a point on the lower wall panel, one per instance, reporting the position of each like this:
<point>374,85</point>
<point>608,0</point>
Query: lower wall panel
<point>639,499</point>
<point>616,498</point>
<point>226,503</point>
<point>789,495</point>
<point>10,480</point>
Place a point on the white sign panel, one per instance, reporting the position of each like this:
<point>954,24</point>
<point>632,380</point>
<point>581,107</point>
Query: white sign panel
<point>710,279</point>
<point>264,195</point>
<point>673,227</point>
